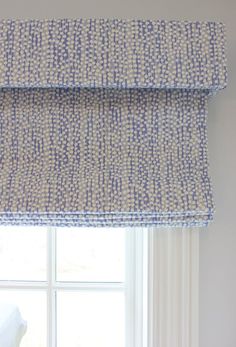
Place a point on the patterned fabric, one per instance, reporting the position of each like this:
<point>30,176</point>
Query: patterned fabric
<point>103,122</point>
<point>103,53</point>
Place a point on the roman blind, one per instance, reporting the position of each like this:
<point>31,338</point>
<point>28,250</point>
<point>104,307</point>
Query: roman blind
<point>103,122</point>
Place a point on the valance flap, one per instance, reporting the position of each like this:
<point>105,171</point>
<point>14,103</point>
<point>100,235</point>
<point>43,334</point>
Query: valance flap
<point>103,53</point>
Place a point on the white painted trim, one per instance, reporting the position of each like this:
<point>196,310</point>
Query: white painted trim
<point>173,282</point>
<point>138,289</point>
<point>51,292</point>
<point>134,288</point>
<point>129,289</point>
<point>103,286</point>
<point>37,285</point>
<point>145,286</point>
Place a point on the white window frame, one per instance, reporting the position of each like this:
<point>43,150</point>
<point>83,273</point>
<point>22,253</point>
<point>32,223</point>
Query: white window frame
<point>156,300</point>
<point>132,287</point>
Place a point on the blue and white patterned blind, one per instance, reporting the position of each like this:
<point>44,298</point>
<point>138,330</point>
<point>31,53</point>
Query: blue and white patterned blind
<point>103,122</point>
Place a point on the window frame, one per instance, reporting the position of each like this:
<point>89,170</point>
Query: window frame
<point>155,287</point>
<point>133,287</point>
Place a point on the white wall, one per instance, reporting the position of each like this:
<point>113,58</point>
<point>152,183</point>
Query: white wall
<point>218,243</point>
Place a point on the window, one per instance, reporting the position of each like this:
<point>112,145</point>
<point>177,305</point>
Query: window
<point>75,287</point>
<point>84,287</point>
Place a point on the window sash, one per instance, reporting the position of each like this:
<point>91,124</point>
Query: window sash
<point>52,286</point>
<point>161,287</point>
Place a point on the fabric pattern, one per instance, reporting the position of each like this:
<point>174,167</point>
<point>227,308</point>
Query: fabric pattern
<point>103,122</point>
<point>112,53</point>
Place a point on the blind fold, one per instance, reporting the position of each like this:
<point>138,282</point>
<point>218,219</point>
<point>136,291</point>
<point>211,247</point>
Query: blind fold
<point>103,122</point>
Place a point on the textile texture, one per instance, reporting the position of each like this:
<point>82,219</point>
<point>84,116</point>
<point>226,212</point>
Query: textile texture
<point>104,122</point>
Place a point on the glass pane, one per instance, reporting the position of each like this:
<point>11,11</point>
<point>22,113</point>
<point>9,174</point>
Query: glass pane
<point>92,255</point>
<point>89,319</point>
<point>22,253</point>
<point>32,306</point>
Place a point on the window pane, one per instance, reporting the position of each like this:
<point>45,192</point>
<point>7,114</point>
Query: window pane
<point>90,254</point>
<point>22,253</point>
<point>32,306</point>
<point>89,319</point>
